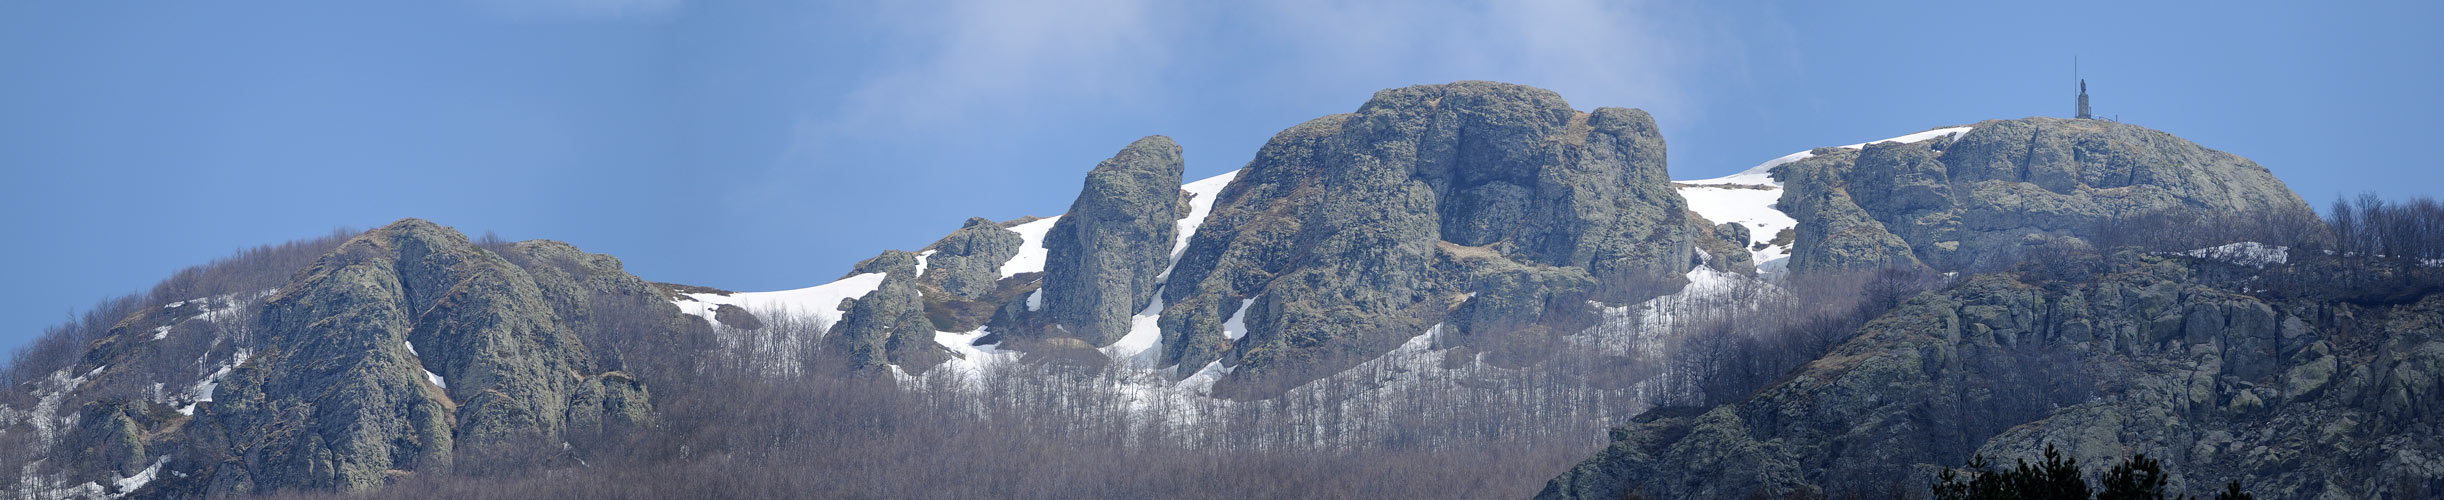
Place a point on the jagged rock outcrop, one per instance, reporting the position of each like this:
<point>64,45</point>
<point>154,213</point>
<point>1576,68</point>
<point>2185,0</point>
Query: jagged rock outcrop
<point>2177,358</point>
<point>1338,240</point>
<point>968,262</point>
<point>888,261</point>
<point>1977,201</point>
<point>1834,233</point>
<point>887,325</point>
<point>335,399</point>
<point>1105,257</point>
<point>1725,246</point>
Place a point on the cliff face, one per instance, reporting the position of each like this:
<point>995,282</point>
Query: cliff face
<point>1977,200</point>
<point>337,396</point>
<point>407,349</point>
<point>1351,233</point>
<point>1106,256</point>
<point>2164,355</point>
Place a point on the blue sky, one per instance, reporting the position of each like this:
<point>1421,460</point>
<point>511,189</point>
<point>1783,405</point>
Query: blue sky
<point>760,145</point>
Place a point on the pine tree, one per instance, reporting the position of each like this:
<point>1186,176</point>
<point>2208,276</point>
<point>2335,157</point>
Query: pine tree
<point>2057,477</point>
<point>2139,478</point>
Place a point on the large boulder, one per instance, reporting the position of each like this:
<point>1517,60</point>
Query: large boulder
<point>1351,233</point>
<point>968,262</point>
<point>887,326</point>
<point>1105,257</point>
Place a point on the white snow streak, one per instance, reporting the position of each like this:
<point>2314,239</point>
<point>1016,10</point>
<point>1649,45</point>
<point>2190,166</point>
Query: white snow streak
<point>1747,198</point>
<point>2246,253</point>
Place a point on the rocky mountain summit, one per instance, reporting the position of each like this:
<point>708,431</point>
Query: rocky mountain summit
<point>1977,200</point>
<point>407,349</point>
<point>1494,205</point>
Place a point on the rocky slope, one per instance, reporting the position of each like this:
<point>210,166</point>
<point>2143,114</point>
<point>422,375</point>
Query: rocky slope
<point>2170,356</point>
<point>408,349</point>
<point>2184,358</point>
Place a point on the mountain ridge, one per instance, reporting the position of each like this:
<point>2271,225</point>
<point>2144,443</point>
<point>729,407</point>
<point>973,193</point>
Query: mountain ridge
<point>1438,231</point>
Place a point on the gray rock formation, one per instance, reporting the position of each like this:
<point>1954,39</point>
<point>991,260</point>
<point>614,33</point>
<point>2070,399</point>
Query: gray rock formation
<point>1105,257</point>
<point>1834,233</point>
<point>968,261</point>
<point>1978,201</point>
<point>1725,246</point>
<point>888,261</point>
<point>1343,229</point>
<point>334,399</point>
<point>887,325</point>
<point>2150,356</point>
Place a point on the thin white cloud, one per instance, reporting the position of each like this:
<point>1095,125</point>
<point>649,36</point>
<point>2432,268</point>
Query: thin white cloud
<point>993,63</point>
<point>960,60</point>
<point>1597,53</point>
<point>579,9</point>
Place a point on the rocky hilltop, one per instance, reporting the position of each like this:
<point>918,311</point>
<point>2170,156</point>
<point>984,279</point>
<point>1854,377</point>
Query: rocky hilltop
<point>1978,200</point>
<point>408,349</point>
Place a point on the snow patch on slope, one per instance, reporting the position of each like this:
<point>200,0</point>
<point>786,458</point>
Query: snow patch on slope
<point>1236,326</point>
<point>1762,174</point>
<point>2246,253</point>
<point>428,374</point>
<point>1750,208</point>
<point>129,484</point>
<point>1030,258</point>
<point>821,302</point>
<point>1747,198</point>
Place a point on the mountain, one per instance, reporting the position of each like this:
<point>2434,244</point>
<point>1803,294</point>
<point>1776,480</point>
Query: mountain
<point>1446,270</point>
<point>405,349</point>
<point>2243,362</point>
